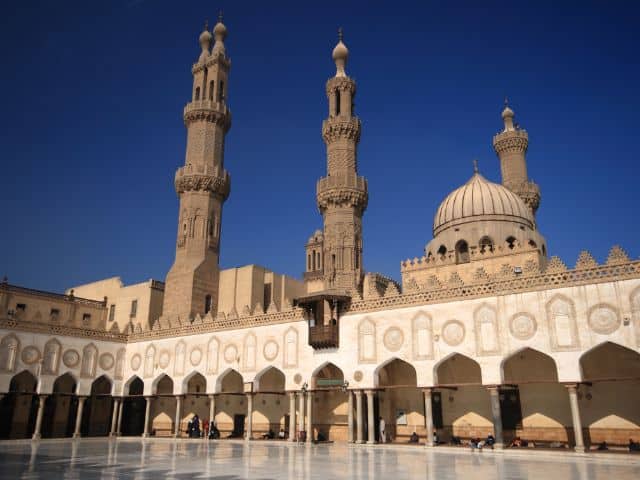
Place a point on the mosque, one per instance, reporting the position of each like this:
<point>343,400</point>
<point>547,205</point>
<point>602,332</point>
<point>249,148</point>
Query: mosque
<point>485,334</point>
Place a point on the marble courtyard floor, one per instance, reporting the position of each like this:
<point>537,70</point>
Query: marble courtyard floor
<point>158,459</point>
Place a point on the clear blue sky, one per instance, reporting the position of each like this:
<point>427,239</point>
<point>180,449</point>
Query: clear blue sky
<point>91,128</point>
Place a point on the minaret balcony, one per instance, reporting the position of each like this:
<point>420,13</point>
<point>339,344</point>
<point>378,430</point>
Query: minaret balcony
<point>208,110</point>
<point>341,190</point>
<point>203,178</point>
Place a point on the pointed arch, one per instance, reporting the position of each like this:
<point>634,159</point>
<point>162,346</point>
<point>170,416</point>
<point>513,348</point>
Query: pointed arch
<point>118,373</point>
<point>486,329</point>
<point>102,385</point>
<point>270,379</point>
<point>180,357</point>
<point>249,352</point>
<point>395,372</point>
<point>89,361</point>
<point>561,318</point>
<point>9,347</point>
<point>213,349</point>
<point>195,382</point>
<point>230,381</point>
<point>51,357</point>
<point>149,361</point>
<point>457,369</point>
<point>609,361</point>
<point>290,354</point>
<point>528,365</point>
<point>65,383</point>
<point>23,382</point>
<point>367,341</point>
<point>134,386</point>
<point>163,384</point>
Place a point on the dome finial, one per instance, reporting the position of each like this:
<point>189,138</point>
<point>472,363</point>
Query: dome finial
<point>340,55</point>
<point>220,16</point>
<point>205,41</point>
<point>220,33</point>
<point>507,116</point>
<point>475,166</point>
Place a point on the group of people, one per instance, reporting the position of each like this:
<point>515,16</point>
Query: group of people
<point>209,429</point>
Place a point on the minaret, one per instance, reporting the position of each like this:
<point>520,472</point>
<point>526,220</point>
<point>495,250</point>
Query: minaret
<point>511,146</point>
<point>342,195</point>
<point>202,185</point>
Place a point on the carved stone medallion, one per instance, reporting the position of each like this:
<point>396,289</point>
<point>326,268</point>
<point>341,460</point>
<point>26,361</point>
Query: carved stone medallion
<point>603,319</point>
<point>523,326</point>
<point>358,375</point>
<point>106,361</point>
<point>270,350</point>
<point>230,353</point>
<point>164,359</point>
<point>297,379</point>
<point>195,357</point>
<point>71,358</point>
<point>453,332</point>
<point>30,355</point>
<point>393,339</point>
<point>136,361</point>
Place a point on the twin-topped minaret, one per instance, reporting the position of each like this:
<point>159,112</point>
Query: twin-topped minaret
<point>511,147</point>
<point>341,195</point>
<point>202,185</point>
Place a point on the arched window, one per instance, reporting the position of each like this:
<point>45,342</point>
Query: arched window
<point>309,262</point>
<point>533,244</point>
<point>511,242</point>
<point>442,251</point>
<point>197,94</point>
<point>486,244</point>
<point>207,304</point>
<point>211,85</point>
<point>337,102</point>
<point>313,263</point>
<point>221,91</point>
<point>462,252</point>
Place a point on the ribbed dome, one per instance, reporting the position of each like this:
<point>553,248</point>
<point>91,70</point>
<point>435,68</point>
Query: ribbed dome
<point>480,199</point>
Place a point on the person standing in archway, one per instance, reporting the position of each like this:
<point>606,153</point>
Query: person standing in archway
<point>383,435</point>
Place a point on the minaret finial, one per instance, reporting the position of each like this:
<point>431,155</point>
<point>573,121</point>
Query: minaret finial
<point>206,24</point>
<point>340,34</point>
<point>506,101</point>
<point>475,165</point>
<point>220,16</point>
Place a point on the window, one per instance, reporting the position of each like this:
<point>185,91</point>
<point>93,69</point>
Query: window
<point>21,307</point>
<point>86,318</point>
<point>486,244</point>
<point>221,91</point>
<point>207,304</point>
<point>211,85</point>
<point>510,408</point>
<point>337,102</point>
<point>134,308</point>
<point>462,252</point>
<point>267,296</point>
<point>55,313</point>
<point>511,242</point>
<point>112,312</point>
<point>197,97</point>
<point>442,251</point>
<point>313,264</point>
<point>436,409</point>
<point>308,262</point>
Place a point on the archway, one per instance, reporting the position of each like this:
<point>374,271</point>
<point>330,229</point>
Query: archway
<point>533,405</point>
<point>610,396</point>
<point>96,414</point>
<point>270,407</point>
<point>19,407</point>
<point>330,403</point>
<point>461,405</point>
<point>195,402</point>
<point>399,402</point>
<point>60,408</point>
<point>133,408</point>
<point>231,408</point>
<point>163,407</point>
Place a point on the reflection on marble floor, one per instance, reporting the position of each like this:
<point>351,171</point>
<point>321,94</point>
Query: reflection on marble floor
<point>159,459</point>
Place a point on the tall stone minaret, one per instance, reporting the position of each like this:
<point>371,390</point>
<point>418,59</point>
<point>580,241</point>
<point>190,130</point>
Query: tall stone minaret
<point>202,185</point>
<point>511,147</point>
<point>342,195</point>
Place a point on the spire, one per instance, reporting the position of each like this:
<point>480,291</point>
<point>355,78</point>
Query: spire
<point>205,41</point>
<point>507,116</point>
<point>220,33</point>
<point>340,55</point>
<point>475,166</point>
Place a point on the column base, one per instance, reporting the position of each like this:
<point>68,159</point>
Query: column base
<point>579,449</point>
<point>429,444</point>
<point>145,435</point>
<point>76,435</point>
<point>359,442</point>
<point>113,434</point>
<point>36,436</point>
<point>498,446</point>
<point>369,442</point>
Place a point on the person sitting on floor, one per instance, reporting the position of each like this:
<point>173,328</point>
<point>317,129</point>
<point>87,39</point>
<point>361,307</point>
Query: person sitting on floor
<point>281,434</point>
<point>634,446</point>
<point>414,438</point>
<point>490,441</point>
<point>456,440</point>
<point>270,435</point>
<point>474,443</point>
<point>436,440</point>
<point>214,433</point>
<point>321,437</point>
<point>516,442</point>
<point>603,446</point>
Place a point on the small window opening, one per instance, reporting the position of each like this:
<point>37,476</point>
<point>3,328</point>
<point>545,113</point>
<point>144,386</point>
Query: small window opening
<point>211,85</point>
<point>462,252</point>
<point>442,251</point>
<point>337,102</point>
<point>134,308</point>
<point>221,91</point>
<point>486,245</point>
<point>21,307</point>
<point>112,312</point>
<point>197,94</point>
<point>511,242</point>
<point>207,304</point>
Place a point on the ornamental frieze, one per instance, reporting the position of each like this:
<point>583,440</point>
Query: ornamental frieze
<point>335,129</point>
<point>344,84</point>
<point>203,183</point>
<point>516,141</point>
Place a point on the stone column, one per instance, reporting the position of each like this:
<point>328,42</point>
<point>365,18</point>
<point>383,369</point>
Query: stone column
<point>301,412</point>
<point>359,418</point>
<point>309,418</point>
<point>36,431</point>
<point>371,425</point>
<point>494,393</point>
<point>575,416</point>
<point>147,415</point>
<point>178,418</point>
<point>76,432</point>
<point>428,417</point>
<point>249,416</point>
<point>120,410</point>
<point>114,417</point>
<point>349,416</point>
<point>212,410</point>
<point>292,416</point>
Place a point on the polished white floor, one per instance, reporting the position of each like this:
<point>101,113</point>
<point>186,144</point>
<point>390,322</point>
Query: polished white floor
<point>159,459</point>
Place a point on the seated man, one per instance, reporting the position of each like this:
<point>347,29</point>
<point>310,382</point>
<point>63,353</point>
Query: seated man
<point>269,435</point>
<point>281,434</point>
<point>634,446</point>
<point>321,437</point>
<point>516,442</point>
<point>414,438</point>
<point>436,440</point>
<point>456,440</point>
<point>490,441</point>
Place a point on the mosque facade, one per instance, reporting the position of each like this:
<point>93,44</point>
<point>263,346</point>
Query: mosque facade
<point>485,333</point>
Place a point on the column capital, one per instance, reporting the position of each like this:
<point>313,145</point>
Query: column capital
<point>211,395</point>
<point>358,393</point>
<point>572,387</point>
<point>369,391</point>
<point>493,389</point>
<point>428,390</point>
